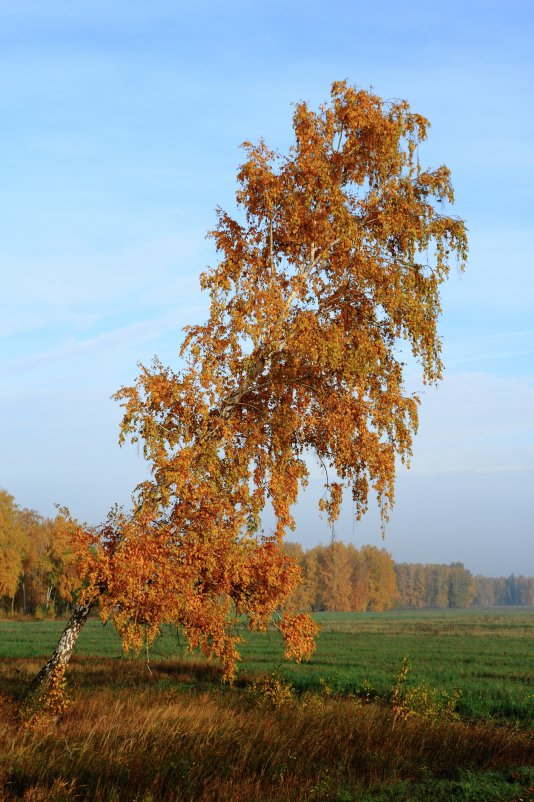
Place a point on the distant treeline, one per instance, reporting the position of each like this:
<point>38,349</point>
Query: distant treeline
<point>37,575</point>
<point>36,563</point>
<point>341,577</point>
<point>454,586</point>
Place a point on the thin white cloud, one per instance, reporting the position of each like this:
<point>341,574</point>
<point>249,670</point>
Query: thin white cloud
<point>476,423</point>
<point>502,335</point>
<point>78,289</point>
<point>126,335</point>
<point>488,357</point>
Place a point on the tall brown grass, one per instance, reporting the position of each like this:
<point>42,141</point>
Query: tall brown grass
<point>130,735</point>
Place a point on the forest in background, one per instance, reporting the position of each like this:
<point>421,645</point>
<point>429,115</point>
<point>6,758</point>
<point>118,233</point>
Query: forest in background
<point>340,577</point>
<point>38,576</point>
<point>37,572</point>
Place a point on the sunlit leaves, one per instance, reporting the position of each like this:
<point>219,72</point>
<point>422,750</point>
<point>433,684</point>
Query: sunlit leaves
<point>319,279</point>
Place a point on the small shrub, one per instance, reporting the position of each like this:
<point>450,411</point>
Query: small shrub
<point>275,690</point>
<point>327,690</point>
<point>421,700</point>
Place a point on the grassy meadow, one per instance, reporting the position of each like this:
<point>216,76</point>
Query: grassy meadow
<point>459,725</point>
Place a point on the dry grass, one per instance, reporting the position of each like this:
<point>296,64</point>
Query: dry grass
<point>132,736</point>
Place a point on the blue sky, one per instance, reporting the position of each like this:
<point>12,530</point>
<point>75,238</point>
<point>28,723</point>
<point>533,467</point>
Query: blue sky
<point>120,131</point>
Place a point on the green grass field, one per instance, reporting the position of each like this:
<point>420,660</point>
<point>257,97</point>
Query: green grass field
<point>487,655</point>
<point>168,730</point>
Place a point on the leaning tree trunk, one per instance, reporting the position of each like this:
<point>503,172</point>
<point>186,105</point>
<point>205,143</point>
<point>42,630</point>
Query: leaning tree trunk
<point>61,656</point>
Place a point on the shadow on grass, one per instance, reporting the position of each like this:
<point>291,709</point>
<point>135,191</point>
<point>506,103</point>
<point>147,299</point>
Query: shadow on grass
<point>96,673</point>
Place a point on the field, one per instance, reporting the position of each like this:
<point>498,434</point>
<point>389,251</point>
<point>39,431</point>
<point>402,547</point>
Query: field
<point>459,725</point>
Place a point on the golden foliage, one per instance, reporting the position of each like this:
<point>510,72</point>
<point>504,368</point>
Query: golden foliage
<point>37,572</point>
<point>340,577</point>
<point>12,542</point>
<point>299,632</point>
<point>337,257</point>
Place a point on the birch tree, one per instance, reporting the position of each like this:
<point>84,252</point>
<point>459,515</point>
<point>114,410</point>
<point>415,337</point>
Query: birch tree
<point>334,258</point>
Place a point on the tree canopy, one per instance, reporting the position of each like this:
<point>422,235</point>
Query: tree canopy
<point>334,259</point>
